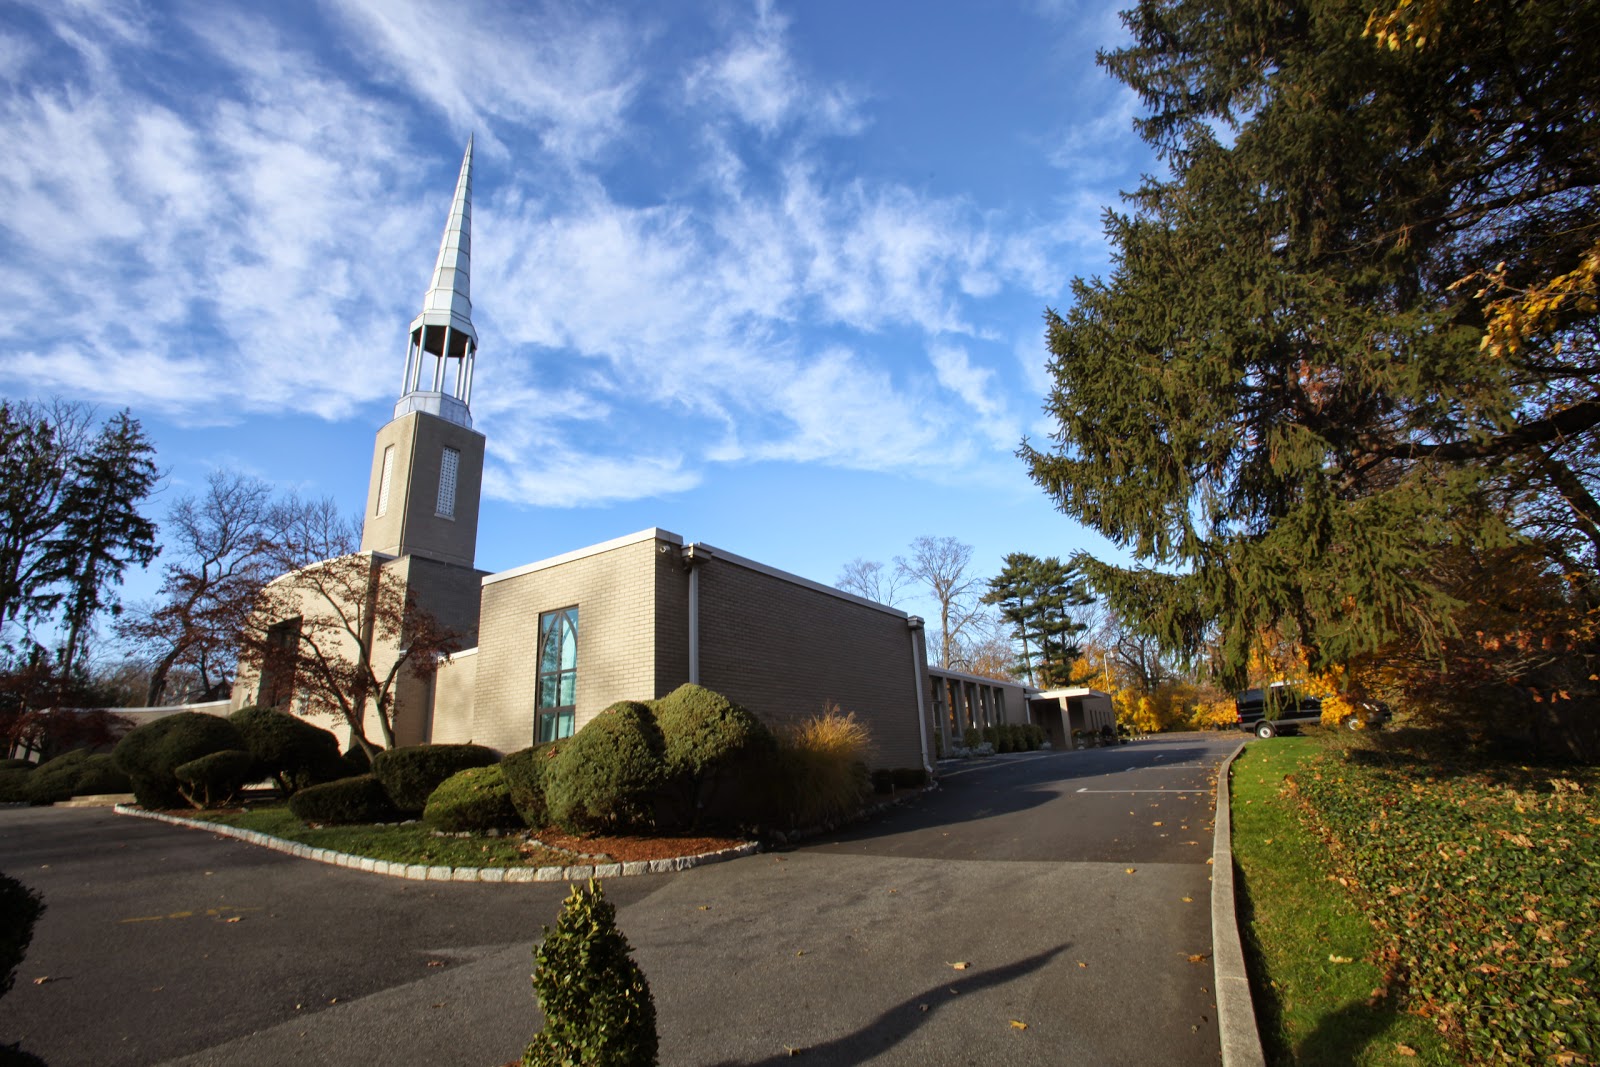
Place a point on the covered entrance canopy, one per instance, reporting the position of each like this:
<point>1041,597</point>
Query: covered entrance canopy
<point>1063,712</point>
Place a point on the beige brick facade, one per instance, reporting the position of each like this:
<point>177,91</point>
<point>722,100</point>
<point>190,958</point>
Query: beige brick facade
<point>409,523</point>
<point>620,589</point>
<point>785,648</point>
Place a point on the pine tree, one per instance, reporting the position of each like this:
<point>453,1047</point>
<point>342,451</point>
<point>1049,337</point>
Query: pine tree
<point>1356,332</point>
<point>101,531</point>
<point>1034,595</point>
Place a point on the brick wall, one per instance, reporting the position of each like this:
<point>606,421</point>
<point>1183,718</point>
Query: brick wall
<point>453,720</point>
<point>784,649</point>
<point>620,644</point>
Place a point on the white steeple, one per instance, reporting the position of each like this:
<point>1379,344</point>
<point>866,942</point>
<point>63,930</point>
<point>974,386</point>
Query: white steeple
<point>443,343</point>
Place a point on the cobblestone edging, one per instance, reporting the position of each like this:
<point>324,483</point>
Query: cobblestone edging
<point>419,873</point>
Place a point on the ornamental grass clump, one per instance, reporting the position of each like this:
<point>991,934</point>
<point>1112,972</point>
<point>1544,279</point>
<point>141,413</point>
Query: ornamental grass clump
<point>821,776</point>
<point>597,1005</point>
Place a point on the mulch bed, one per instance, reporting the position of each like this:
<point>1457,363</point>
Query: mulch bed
<point>634,849</point>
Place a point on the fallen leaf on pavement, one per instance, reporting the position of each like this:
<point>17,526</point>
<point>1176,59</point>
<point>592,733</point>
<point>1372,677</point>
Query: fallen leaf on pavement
<point>436,963</point>
<point>960,966</point>
<point>1199,957</point>
<point>1082,964</point>
<point>42,981</point>
<point>1132,869</point>
<point>1188,900</point>
<point>234,919</point>
<point>1019,1024</point>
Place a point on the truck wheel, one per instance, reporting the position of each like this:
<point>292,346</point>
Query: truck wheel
<point>1265,730</point>
<point>1353,723</point>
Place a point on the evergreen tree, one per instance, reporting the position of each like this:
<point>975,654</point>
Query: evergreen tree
<point>36,449</point>
<point>1034,596</point>
<point>1357,331</point>
<point>101,530</point>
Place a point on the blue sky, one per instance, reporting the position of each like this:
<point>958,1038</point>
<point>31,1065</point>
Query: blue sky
<point>767,275</point>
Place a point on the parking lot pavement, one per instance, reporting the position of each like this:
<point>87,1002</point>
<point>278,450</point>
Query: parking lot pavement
<point>1065,883</point>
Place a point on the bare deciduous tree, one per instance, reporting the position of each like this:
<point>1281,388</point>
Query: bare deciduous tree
<point>939,564</point>
<point>337,635</point>
<point>871,579</point>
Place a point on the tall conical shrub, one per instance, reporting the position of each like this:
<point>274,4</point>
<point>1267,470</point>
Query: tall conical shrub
<point>597,1005</point>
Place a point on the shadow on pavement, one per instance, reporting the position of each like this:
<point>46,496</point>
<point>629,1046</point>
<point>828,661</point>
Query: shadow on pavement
<point>898,1022</point>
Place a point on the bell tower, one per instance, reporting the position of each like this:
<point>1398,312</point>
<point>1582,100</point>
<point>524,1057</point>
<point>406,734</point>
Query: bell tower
<point>427,466</point>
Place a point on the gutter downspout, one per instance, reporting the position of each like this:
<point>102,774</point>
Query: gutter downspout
<point>693,557</point>
<point>919,677</point>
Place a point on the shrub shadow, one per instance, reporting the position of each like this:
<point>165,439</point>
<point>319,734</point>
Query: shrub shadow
<point>896,1023</point>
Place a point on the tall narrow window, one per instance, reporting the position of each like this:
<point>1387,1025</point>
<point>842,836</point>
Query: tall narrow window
<point>558,673</point>
<point>278,665</point>
<point>449,464</point>
<point>384,478</point>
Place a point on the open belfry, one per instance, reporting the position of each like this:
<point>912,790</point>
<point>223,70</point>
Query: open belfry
<point>427,466</point>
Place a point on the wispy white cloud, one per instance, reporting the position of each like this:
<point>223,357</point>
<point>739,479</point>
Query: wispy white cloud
<point>755,79</point>
<point>568,73</point>
<point>258,244</point>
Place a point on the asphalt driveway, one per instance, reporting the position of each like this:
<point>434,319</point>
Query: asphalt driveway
<point>1074,887</point>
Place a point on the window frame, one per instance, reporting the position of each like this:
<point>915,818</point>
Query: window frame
<point>554,720</point>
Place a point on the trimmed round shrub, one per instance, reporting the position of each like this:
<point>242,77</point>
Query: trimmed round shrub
<point>56,779</point>
<point>605,777</point>
<point>215,778</point>
<point>344,802</point>
<point>527,772</point>
<point>14,784</point>
<point>15,765</point>
<point>100,775</point>
<point>289,750</point>
<point>150,754</point>
<point>883,781</point>
<point>707,741</point>
<point>474,799</point>
<point>410,775</point>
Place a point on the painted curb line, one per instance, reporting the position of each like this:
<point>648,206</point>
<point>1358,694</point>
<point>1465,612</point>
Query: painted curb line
<point>417,873</point>
<point>1236,1016</point>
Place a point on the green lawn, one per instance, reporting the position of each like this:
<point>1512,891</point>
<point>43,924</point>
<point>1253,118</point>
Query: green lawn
<point>409,843</point>
<point>1312,953</point>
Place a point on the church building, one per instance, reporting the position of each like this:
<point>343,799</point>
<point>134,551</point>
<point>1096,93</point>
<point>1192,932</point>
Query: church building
<point>549,645</point>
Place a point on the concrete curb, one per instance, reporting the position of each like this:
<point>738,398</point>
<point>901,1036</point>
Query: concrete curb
<point>418,873</point>
<point>1236,1016</point>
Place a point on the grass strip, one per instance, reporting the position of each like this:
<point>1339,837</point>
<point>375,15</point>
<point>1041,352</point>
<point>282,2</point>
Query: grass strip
<point>398,843</point>
<point>1312,954</point>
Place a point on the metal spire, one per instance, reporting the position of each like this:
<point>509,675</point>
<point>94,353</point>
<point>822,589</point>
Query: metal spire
<point>442,334</point>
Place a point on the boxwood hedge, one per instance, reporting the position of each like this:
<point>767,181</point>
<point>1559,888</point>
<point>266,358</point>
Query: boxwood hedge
<point>344,802</point>
<point>150,754</point>
<point>605,777</point>
<point>410,775</point>
<point>474,799</point>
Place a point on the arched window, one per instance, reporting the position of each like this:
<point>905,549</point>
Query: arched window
<point>558,674</point>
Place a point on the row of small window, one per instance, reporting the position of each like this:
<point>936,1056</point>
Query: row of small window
<point>449,464</point>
